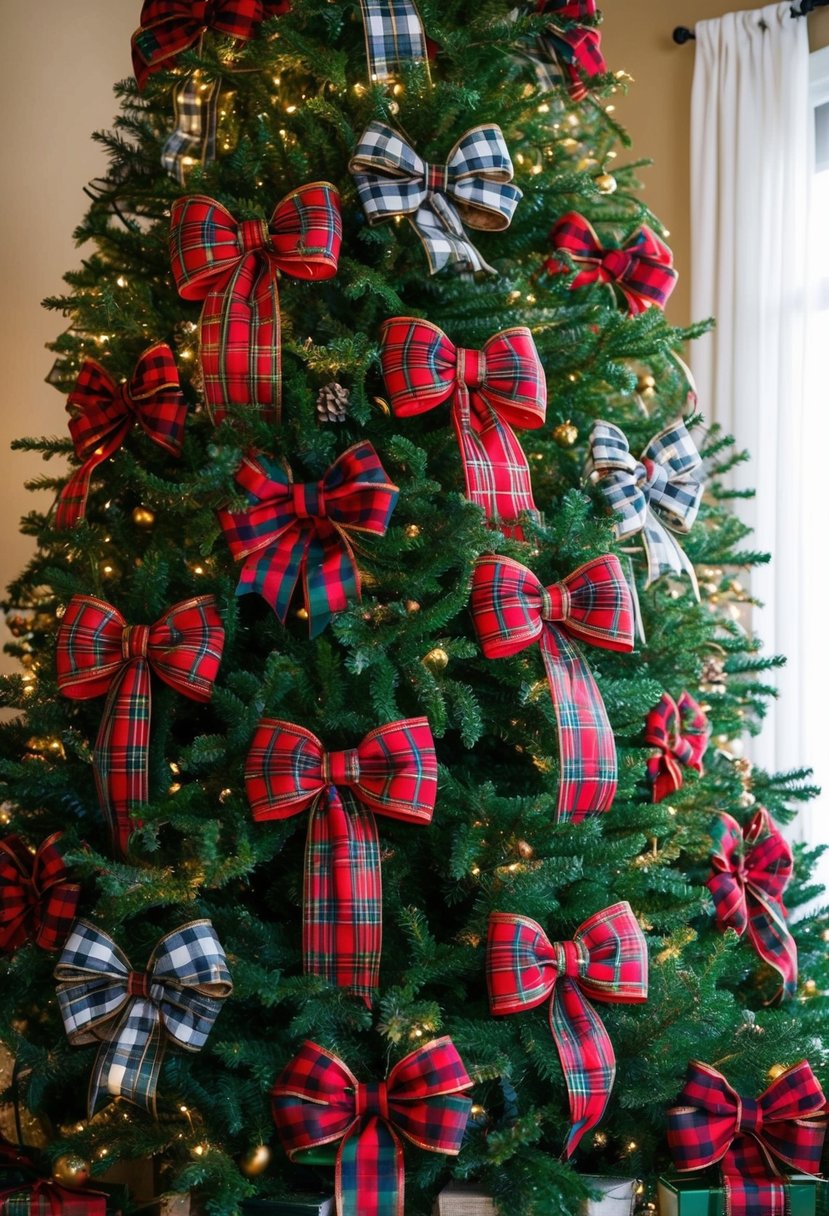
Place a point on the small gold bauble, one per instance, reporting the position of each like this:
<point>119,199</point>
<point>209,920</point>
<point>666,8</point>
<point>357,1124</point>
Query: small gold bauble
<point>524,849</point>
<point>255,1161</point>
<point>565,434</point>
<point>143,517</point>
<point>301,614</point>
<point>412,531</point>
<point>646,385</point>
<point>71,1171</point>
<point>605,183</point>
<point>776,1071</point>
<point>412,607</point>
<point>435,660</point>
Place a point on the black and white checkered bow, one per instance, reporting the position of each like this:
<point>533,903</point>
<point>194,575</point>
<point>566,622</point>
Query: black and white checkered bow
<point>193,138</point>
<point>394,36</point>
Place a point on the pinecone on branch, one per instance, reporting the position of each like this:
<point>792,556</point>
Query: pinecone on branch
<point>332,402</point>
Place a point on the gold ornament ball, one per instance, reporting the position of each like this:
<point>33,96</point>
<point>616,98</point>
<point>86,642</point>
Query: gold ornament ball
<point>412,531</point>
<point>143,517</point>
<point>646,385</point>
<point>524,849</point>
<point>606,183</point>
<point>255,1161</point>
<point>436,659</point>
<point>775,1071</point>
<point>71,1171</point>
<point>565,434</point>
<point>412,607</point>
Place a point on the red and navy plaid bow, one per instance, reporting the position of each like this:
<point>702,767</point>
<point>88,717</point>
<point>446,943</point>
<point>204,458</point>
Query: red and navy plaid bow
<point>713,1123</point>
<point>133,1013</point>
<point>293,528</point>
<point>103,414</point>
<point>681,732</point>
<point>641,270</point>
<point>751,871</point>
<point>392,772</point>
<point>511,610</point>
<point>606,960</point>
<point>37,900</point>
<point>99,653</point>
<point>234,267</point>
<point>567,52</point>
<point>490,390</point>
<point>317,1100</point>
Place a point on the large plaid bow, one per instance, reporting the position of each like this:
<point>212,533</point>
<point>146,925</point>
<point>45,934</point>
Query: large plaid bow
<point>641,270</point>
<point>37,900</point>
<point>133,1013</point>
<point>659,491</point>
<point>99,653</point>
<point>567,51</point>
<point>511,610</point>
<point>317,1100</point>
<point>392,772</point>
<point>293,528</point>
<point>713,1123</point>
<point>680,732</point>
<point>472,188</point>
<point>490,390</point>
<point>606,960</point>
<point>103,413</point>
<point>234,268</point>
<point>394,36</point>
<point>751,870</point>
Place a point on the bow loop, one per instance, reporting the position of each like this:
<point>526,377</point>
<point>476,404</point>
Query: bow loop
<point>641,271</point>
<point>37,901</point>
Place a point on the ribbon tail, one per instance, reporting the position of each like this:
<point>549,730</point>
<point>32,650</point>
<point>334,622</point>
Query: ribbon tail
<point>495,467</point>
<point>331,577</point>
<point>587,1058</point>
<point>771,938</point>
<point>71,507</point>
<point>273,572</point>
<point>444,238</point>
<point>394,36</point>
<point>195,119</point>
<point>120,755</point>
<point>751,1182</point>
<point>369,1173</point>
<point>664,554</point>
<point>128,1064</point>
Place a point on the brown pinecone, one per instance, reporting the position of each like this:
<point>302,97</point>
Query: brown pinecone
<point>332,402</point>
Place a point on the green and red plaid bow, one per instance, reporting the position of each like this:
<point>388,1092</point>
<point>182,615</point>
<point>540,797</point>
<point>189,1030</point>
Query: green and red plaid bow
<point>680,730</point>
<point>99,653</point>
<point>641,270</point>
<point>512,610</point>
<point>568,51</point>
<point>751,871</point>
<point>37,900</point>
<point>317,1100</point>
<point>747,1136</point>
<point>103,414</point>
<point>294,529</point>
<point>392,772</point>
<point>490,390</point>
<point>234,268</point>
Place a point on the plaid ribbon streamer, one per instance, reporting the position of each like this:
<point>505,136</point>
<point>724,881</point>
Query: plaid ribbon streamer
<point>489,390</point>
<point>512,610</point>
<point>318,1100</point>
<point>234,268</point>
<point>641,271</point>
<point>659,491</point>
<point>751,870</point>
<point>37,901</point>
<point>713,1123</point>
<point>293,528</point>
<point>133,1014</point>
<point>567,52</point>
<point>606,960</point>
<point>99,653</point>
<point>472,188</point>
<point>680,731</point>
<point>193,138</point>
<point>394,36</point>
<point>102,414</point>
<point>43,1197</point>
<point>392,772</point>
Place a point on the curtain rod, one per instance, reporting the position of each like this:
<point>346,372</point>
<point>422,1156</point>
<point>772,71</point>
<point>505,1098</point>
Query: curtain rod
<point>683,34</point>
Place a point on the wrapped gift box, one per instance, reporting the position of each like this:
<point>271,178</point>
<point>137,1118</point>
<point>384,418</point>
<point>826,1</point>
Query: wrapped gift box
<point>458,1200</point>
<point>290,1205</point>
<point>701,1195</point>
<point>618,1196</point>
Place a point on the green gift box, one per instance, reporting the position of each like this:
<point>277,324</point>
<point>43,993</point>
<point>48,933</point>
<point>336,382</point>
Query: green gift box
<point>290,1205</point>
<point>701,1195</point>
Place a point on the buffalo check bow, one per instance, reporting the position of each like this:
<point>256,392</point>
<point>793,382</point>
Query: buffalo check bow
<point>751,870</point>
<point>567,51</point>
<point>512,610</point>
<point>294,529</point>
<point>99,653</point>
<point>103,413</point>
<point>394,36</point>
<point>318,1100</point>
<point>472,188</point>
<point>641,270</point>
<point>133,1013</point>
<point>192,140</point>
<point>606,960</point>
<point>234,266</point>
<point>393,772</point>
<point>680,732</point>
<point>37,900</point>
<point>713,1123</point>
<point>490,391</point>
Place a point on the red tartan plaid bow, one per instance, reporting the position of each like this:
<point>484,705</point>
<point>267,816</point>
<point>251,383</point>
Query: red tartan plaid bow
<point>606,960</point>
<point>681,732</point>
<point>99,653</point>
<point>574,49</point>
<point>37,901</point>
<point>511,610</point>
<point>392,772</point>
<point>716,1124</point>
<point>490,390</point>
<point>641,270</point>
<point>234,267</point>
<point>317,1100</point>
<point>751,871</point>
<point>103,414</point>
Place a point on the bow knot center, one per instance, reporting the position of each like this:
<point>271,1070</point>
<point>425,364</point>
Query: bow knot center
<point>616,263</point>
<point>372,1098</point>
<point>471,367</point>
<point>751,1116</point>
<point>555,603</point>
<point>655,477</point>
<point>253,235</point>
<point>571,959</point>
<point>341,767</point>
<point>682,750</point>
<point>138,984</point>
<point>135,641</point>
<point>436,178</point>
<point>308,499</point>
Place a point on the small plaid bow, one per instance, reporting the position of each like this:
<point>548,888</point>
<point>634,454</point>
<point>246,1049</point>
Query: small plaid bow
<point>234,268</point>
<point>659,491</point>
<point>511,610</point>
<point>37,901</point>
<point>317,1099</point>
<point>98,652</point>
<point>133,1013</point>
<point>490,391</point>
<point>392,772</point>
<point>471,188</point>
<point>103,413</point>
<point>713,1123</point>
<point>606,960</point>
<point>567,52</point>
<point>680,730</point>
<point>751,871</point>
<point>394,36</point>
<point>293,528</point>
<point>641,270</point>
<point>192,140</point>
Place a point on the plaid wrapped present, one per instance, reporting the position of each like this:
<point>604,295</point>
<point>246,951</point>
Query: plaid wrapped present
<point>47,1198</point>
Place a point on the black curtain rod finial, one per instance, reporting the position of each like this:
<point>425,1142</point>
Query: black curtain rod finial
<point>682,35</point>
